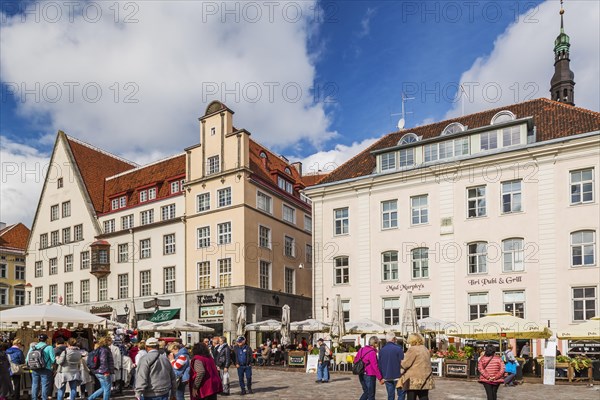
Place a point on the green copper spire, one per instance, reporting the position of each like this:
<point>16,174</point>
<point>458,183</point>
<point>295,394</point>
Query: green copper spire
<point>562,42</point>
<point>563,81</point>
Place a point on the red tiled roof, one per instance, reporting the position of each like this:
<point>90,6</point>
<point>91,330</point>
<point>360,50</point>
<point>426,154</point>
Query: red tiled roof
<point>310,180</point>
<point>551,118</point>
<point>94,166</point>
<point>15,236</point>
<point>160,172</point>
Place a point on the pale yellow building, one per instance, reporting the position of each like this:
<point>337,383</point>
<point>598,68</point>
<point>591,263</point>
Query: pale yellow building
<point>13,243</point>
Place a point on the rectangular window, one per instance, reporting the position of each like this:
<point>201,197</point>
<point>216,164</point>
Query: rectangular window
<point>346,310</point>
<point>54,293</point>
<point>289,280</point>
<point>204,275</point>
<point>511,196</point>
<point>476,205</point>
<point>109,226</point>
<point>54,212</point>
<point>169,279</point>
<point>407,157</point>
<point>123,280</point>
<point>389,265</point>
<point>145,248</point>
<point>169,244</point>
<point>285,185</point>
<point>43,240</point>
<point>68,293</point>
<point>39,269</point>
<point>66,235</point>
<point>53,266</point>
<point>102,289</point>
<point>341,270</point>
<point>388,161</point>
<point>309,254</point>
<point>114,204</point>
<point>59,183</point>
<point>477,258</point>
<point>289,246</point>
<point>224,197</point>
<point>341,221</point>
<point>54,238</point>
<point>103,256</point>
<point>147,217</point>
<point>289,214</point>
<point>420,263</point>
<point>143,196</point>
<point>583,245</point>
<point>431,152</point>
<point>514,302</point>
<point>264,237</point>
<point>307,223</point>
<point>84,287</point>
<point>122,201</point>
<point>478,305</point>
<point>20,272</point>
<point>39,295</point>
<point>127,221</point>
<point>66,209</point>
<point>264,275</point>
<point>224,233</point>
<point>203,202</point>
<point>167,212</point>
<point>69,263</point>
<point>78,232</point>
<point>225,272</point>
<point>488,140</point>
<point>123,249</point>
<point>19,297</point>
<point>582,186</point>
<point>512,255</point>
<point>419,210</point>
<point>145,283</point>
<point>151,193</point>
<point>389,214</point>
<point>3,271</point>
<point>391,311</point>
<point>174,187</point>
<point>584,303</point>
<point>203,235</point>
<point>84,259</point>
<point>422,306</point>
<point>264,202</point>
<point>212,165</point>
<point>511,136</point>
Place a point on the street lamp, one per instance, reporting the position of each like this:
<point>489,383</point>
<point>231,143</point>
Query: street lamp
<point>127,311</point>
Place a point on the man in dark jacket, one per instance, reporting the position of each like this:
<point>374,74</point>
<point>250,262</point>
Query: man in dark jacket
<point>390,357</point>
<point>324,360</point>
<point>106,367</point>
<point>243,359</point>
<point>223,362</point>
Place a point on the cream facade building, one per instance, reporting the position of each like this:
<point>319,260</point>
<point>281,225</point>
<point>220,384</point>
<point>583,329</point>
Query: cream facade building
<point>494,211</point>
<point>13,242</point>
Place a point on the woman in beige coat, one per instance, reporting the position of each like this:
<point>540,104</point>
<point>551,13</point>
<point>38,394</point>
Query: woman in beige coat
<point>416,378</point>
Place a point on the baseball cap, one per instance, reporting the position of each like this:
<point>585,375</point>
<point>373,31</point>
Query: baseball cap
<point>320,340</point>
<point>43,337</point>
<point>240,339</point>
<point>152,342</point>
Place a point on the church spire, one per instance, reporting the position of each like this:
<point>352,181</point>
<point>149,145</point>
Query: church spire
<point>562,83</point>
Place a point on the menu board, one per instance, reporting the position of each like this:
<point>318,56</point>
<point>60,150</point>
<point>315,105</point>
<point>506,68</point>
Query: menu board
<point>211,311</point>
<point>312,363</point>
<point>296,358</point>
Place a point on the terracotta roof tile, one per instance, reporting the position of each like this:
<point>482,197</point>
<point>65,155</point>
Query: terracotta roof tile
<point>551,118</point>
<point>94,166</point>
<point>132,181</point>
<point>15,236</point>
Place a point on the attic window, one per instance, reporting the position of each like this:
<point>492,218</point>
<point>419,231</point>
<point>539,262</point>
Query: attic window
<point>263,154</point>
<point>287,171</point>
<point>503,116</point>
<point>408,138</point>
<point>455,127</point>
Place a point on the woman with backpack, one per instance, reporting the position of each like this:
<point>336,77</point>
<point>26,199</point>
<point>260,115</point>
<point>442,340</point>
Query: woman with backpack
<point>180,361</point>
<point>68,372</point>
<point>16,358</point>
<point>370,373</point>
<point>510,367</point>
<point>491,372</point>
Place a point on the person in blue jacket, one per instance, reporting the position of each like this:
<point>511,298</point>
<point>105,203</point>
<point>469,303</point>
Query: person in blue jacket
<point>390,357</point>
<point>16,357</point>
<point>243,360</point>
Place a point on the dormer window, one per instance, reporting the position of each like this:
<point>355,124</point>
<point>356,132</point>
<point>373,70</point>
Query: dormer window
<point>388,161</point>
<point>503,116</point>
<point>263,154</point>
<point>408,138</point>
<point>285,185</point>
<point>287,171</point>
<point>453,128</point>
<point>143,196</point>
<point>175,187</point>
<point>151,193</point>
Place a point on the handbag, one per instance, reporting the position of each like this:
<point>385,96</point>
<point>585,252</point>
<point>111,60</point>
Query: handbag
<point>417,384</point>
<point>15,369</point>
<point>225,382</point>
<point>359,366</point>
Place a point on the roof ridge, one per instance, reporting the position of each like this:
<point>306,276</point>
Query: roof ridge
<point>140,167</point>
<point>569,107</point>
<point>99,150</point>
<point>7,228</point>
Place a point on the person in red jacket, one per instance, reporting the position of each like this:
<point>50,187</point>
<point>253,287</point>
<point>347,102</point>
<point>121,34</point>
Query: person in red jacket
<point>205,381</point>
<point>491,372</point>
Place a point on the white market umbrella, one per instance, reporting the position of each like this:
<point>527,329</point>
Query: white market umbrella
<point>270,325</point>
<point>50,314</point>
<point>367,326</point>
<point>285,326</point>
<point>338,327</point>
<point>499,325</point>
<point>409,316</point>
<point>588,330</point>
<point>309,326</point>
<point>432,325</point>
<point>241,321</point>
<point>173,325</point>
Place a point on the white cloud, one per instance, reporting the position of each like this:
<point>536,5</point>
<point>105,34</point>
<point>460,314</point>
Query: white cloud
<point>327,161</point>
<point>365,22</point>
<point>521,63</point>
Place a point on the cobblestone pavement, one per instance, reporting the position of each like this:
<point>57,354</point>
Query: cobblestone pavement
<point>275,384</point>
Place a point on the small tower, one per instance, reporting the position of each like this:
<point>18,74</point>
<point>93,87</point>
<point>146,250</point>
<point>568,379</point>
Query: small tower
<point>562,84</point>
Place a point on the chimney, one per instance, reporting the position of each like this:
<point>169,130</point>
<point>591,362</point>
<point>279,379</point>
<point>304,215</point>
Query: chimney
<point>298,166</point>
<point>2,225</point>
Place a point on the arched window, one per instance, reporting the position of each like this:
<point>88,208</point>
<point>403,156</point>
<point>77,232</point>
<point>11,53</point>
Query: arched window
<point>455,127</point>
<point>513,255</point>
<point>389,265</point>
<point>408,138</point>
<point>420,263</point>
<point>477,257</point>
<point>503,116</point>
<point>287,171</point>
<point>583,248</point>
<point>263,154</point>
<point>341,270</point>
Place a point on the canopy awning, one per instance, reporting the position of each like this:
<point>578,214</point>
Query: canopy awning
<point>499,325</point>
<point>50,315</point>
<point>164,315</point>
<point>588,330</point>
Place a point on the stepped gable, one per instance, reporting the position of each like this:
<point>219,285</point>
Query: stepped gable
<point>94,166</point>
<point>157,174</point>
<point>552,119</point>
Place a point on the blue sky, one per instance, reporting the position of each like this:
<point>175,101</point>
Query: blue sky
<point>172,59</point>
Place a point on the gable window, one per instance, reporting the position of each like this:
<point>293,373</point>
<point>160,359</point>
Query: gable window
<point>84,258</point>
<point>389,265</point>
<point>167,212</point>
<point>478,305</point>
<point>289,246</point>
<point>102,289</point>
<point>406,157</point>
<point>145,248</point>
<point>477,257</point>
<point>514,302</point>
<point>127,221</point>
<point>446,149</point>
<point>341,270</point>
<point>123,250</point>
<point>78,232</point>
<point>511,136</point>
<point>204,275</point>
<point>512,255</point>
<point>59,183</point>
<point>503,116</point>
<point>203,202</point>
<point>151,193</point>
<point>54,212</point>
<point>389,214</point>
<point>488,140</point>
<point>419,210</point>
<point>264,275</point>
<point>264,237</point>
<point>203,237</point>
<point>145,283</point>
<point>224,233</point>
<point>169,244</point>
<point>476,205</point>
<point>391,311</point>
<point>511,196</point>
<point>582,186</point>
<point>420,263</point>
<point>212,165</point>
<point>454,127</point>
<point>66,209</point>
<point>66,235</point>
<point>109,226</point>
<point>584,303</point>
<point>285,185</point>
<point>341,221</point>
<point>169,280</point>
<point>147,217</point>
<point>583,245</point>
<point>264,202</point>
<point>224,197</point>
<point>289,214</point>
<point>388,161</point>
<point>43,240</point>
<point>224,272</point>
<point>54,238</point>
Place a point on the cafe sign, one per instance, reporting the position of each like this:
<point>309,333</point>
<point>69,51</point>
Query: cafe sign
<point>402,287</point>
<point>211,311</point>
<point>105,309</point>
<point>495,281</point>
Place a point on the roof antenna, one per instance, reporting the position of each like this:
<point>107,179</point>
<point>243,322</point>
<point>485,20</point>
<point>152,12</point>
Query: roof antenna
<point>402,121</point>
<point>463,95</point>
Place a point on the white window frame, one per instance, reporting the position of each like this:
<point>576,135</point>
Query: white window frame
<point>53,293</point>
<point>582,247</point>
<point>422,303</point>
<point>388,161</point>
<point>262,238</point>
<point>109,226</point>
<point>169,244</point>
<point>78,232</point>
<point>477,258</point>
<point>147,217</point>
<point>54,238</point>
<point>19,297</point>
<point>224,197</point>
<point>68,261</point>
<point>476,202</point>
<point>84,291</point>
<point>123,250</point>
<point>285,208</point>
<point>66,235</point>
<point>122,201</point>
<point>406,157</point>
<point>289,280</point>
<point>114,204</point>
<point>143,196</point>
<point>168,212</point>
<point>54,212</point>
<point>264,275</point>
<point>289,246</point>
<point>225,272</point>
<point>151,193</point>
<point>341,222</point>
<point>84,260</point>
<point>39,269</point>
<point>513,257</point>
<point>307,223</point>
<point>420,264</point>
<point>174,187</point>
<point>511,196</point>
<point>39,295</point>
<point>580,186</point>
<point>585,303</point>
<point>123,286</point>
<point>53,266</point>
<point>488,140</point>
<point>169,280</point>
<point>511,136</point>
<point>66,209</point>
<point>127,221</point>
<point>389,214</point>
<point>224,233</point>
<point>389,266</point>
<point>204,275</point>
<point>203,202</point>
<point>103,289</point>
<point>419,213</point>
<point>145,283</point>
<point>341,270</point>
<point>475,299</point>
<point>513,303</point>
<point>203,237</point>
<point>69,293</point>
<point>266,203</point>
<point>213,165</point>
<point>145,248</point>
<point>20,272</point>
<point>392,307</point>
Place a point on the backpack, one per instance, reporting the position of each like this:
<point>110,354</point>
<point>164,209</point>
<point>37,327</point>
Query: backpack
<point>358,368</point>
<point>93,360</point>
<point>35,360</point>
<point>328,354</point>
